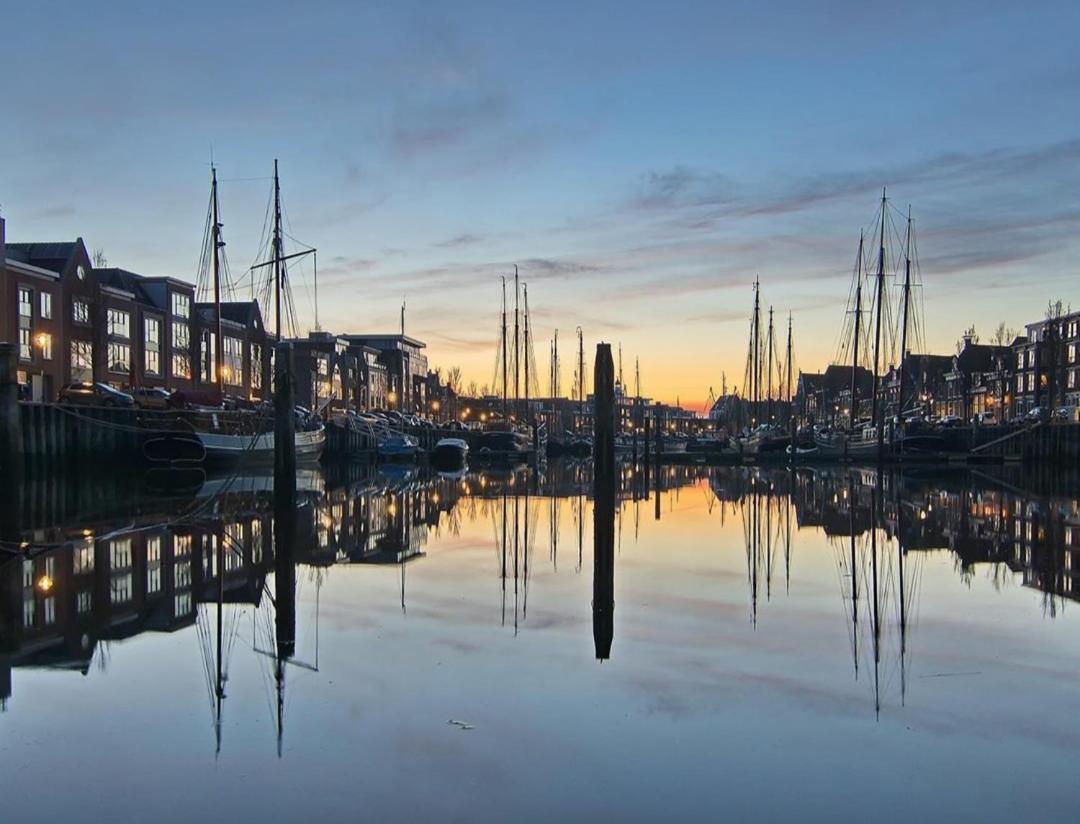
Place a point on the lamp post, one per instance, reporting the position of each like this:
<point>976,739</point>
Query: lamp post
<point>43,340</point>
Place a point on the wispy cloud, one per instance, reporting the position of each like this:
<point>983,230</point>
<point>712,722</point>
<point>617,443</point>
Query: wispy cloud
<point>466,239</point>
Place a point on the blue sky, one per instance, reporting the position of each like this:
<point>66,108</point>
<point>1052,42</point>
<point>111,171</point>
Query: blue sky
<point>640,162</point>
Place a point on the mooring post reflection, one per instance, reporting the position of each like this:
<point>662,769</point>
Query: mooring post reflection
<point>603,605</point>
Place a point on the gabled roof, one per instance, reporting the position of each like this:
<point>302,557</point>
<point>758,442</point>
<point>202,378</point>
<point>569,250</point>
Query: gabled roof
<point>51,256</point>
<point>123,279</point>
<point>838,377</point>
<point>243,312</point>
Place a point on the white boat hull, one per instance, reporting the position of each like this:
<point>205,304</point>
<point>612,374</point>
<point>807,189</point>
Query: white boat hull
<point>222,447</point>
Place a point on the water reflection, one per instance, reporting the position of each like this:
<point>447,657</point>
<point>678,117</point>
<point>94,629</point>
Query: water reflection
<point>110,561</point>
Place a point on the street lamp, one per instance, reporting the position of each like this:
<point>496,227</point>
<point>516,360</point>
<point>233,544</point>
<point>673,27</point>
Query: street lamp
<point>44,341</point>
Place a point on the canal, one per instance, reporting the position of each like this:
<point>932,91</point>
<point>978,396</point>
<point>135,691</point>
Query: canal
<point>749,643</point>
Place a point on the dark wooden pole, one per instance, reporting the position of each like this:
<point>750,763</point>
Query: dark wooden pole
<point>603,604</point>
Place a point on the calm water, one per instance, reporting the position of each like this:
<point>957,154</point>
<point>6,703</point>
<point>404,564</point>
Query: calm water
<point>822,644</point>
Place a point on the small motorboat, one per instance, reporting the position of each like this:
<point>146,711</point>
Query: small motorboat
<point>398,445</point>
<point>450,453</point>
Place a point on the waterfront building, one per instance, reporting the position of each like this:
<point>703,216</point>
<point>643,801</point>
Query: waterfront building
<point>245,349</point>
<point>50,298</point>
<point>1047,365</point>
<point>406,368</point>
<point>976,379</point>
<point>328,373</point>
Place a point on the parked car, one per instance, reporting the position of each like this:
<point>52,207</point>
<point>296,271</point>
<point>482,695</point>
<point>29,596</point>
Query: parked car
<point>1039,413</point>
<point>94,394</point>
<point>950,420</point>
<point>151,397</point>
<point>987,418</point>
<point>1063,413</point>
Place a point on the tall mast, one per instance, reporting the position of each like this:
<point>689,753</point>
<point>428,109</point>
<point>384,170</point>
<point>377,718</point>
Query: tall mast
<point>403,316</point>
<point>769,347</point>
<point>877,325</point>
<point>526,348</point>
<point>581,376</point>
<point>503,334</point>
<point>278,249</point>
<point>904,318</point>
<point>517,358</point>
<point>215,240</point>
<point>755,347</point>
<point>555,366</point>
<point>855,346</point>
<point>791,410</point>
<point>622,386</point>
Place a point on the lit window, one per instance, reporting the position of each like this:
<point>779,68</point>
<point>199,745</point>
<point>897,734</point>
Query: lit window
<point>46,305</point>
<point>181,366</point>
<point>119,357</point>
<point>152,346</point>
<point>80,311</point>
<point>119,323</point>
<point>82,360</point>
<point>181,336</point>
<point>181,305</point>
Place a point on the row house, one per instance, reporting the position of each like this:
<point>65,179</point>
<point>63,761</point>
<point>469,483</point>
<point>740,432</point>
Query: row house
<point>48,296</point>
<point>825,398</point>
<point>406,369</point>
<point>245,349</point>
<point>1047,365</point>
<point>327,371</point>
<point>977,380</point>
<point>925,386</point>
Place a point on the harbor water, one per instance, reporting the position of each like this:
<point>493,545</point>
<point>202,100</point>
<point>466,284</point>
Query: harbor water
<point>762,644</point>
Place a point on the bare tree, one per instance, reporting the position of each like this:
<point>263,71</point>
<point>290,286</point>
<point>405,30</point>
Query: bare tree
<point>1003,335</point>
<point>453,378</point>
<point>100,261</point>
<point>969,336</point>
<point>472,389</point>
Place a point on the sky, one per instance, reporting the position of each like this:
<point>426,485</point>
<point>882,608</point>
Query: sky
<point>640,163</point>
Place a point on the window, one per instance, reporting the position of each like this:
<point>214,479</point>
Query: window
<point>181,305</point>
<point>181,366</point>
<point>1019,384</point>
<point>153,564</point>
<point>26,303</point>
<point>152,346</point>
<point>26,350</point>
<point>1019,360</point>
<point>181,336</point>
<point>256,366</point>
<point>120,553</point>
<point>182,546</point>
<point>46,305</point>
<point>50,611</point>
<point>83,558</point>
<point>80,311</point>
<point>1031,383</point>
<point>119,323</point>
<point>233,360</point>
<point>208,372</point>
<point>82,360</point>
<point>44,341</point>
<point>85,602</point>
<point>1072,353</point>
<point>119,357</point>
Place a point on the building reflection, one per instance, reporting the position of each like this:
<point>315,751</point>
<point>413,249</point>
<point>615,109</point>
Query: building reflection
<point>101,564</point>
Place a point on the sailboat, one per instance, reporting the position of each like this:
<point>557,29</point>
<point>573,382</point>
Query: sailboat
<point>764,436</point>
<point>864,440</point>
<point>242,436</point>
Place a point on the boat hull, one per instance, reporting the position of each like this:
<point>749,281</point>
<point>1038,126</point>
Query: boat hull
<point>223,448</point>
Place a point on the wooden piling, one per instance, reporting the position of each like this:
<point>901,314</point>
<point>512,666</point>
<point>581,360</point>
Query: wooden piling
<point>603,604</point>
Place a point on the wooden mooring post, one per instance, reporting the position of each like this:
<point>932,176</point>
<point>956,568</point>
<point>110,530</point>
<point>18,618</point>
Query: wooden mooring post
<point>603,604</point>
